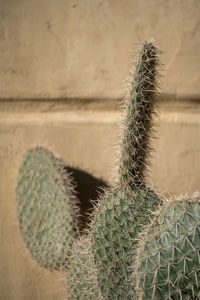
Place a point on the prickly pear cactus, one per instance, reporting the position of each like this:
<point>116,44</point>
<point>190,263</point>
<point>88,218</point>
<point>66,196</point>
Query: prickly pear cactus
<point>47,208</point>
<point>126,207</point>
<point>168,262</point>
<point>82,274</point>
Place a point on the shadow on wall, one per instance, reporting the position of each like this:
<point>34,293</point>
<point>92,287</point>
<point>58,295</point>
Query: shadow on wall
<point>88,189</point>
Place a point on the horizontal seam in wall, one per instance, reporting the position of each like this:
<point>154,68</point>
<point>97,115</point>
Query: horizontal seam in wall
<point>166,102</point>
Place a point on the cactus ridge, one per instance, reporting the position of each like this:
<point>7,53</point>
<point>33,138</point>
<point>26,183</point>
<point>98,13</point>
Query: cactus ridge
<point>47,208</point>
<point>128,205</point>
<point>82,272</point>
<point>168,259</point>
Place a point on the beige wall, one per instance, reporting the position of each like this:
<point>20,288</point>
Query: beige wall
<point>74,48</point>
<point>62,67</point>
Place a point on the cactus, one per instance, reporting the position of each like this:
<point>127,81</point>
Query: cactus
<point>82,273</point>
<point>47,209</point>
<point>168,259</point>
<point>106,264</point>
<point>128,205</point>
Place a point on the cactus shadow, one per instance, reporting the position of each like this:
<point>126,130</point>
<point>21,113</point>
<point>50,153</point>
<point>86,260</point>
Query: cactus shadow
<point>87,188</point>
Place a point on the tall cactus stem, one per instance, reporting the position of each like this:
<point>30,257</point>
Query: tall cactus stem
<point>139,108</point>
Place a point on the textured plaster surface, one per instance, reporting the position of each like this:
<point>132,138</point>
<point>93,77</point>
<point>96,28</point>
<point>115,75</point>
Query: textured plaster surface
<point>80,48</point>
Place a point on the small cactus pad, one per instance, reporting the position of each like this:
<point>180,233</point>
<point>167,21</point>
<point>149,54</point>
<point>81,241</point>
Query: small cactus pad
<point>47,208</point>
<point>82,273</point>
<point>168,263</point>
<point>119,219</point>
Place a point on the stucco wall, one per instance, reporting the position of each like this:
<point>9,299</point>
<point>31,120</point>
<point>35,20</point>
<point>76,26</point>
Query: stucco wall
<point>71,48</point>
<point>62,67</point>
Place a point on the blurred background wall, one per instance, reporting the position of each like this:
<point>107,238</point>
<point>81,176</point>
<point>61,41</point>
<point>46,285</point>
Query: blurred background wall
<point>62,70</point>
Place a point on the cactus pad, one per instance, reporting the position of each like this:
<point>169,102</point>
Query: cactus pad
<point>118,221</point>
<point>139,108</point>
<point>168,263</point>
<point>46,208</point>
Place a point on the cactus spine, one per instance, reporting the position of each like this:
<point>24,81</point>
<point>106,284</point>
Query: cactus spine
<point>168,259</point>
<point>128,205</point>
<point>47,209</point>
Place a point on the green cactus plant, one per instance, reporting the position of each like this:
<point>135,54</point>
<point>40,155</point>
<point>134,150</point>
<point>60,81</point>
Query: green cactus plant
<point>105,264</point>
<point>128,205</point>
<point>81,272</point>
<point>47,208</point>
<point>168,259</point>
